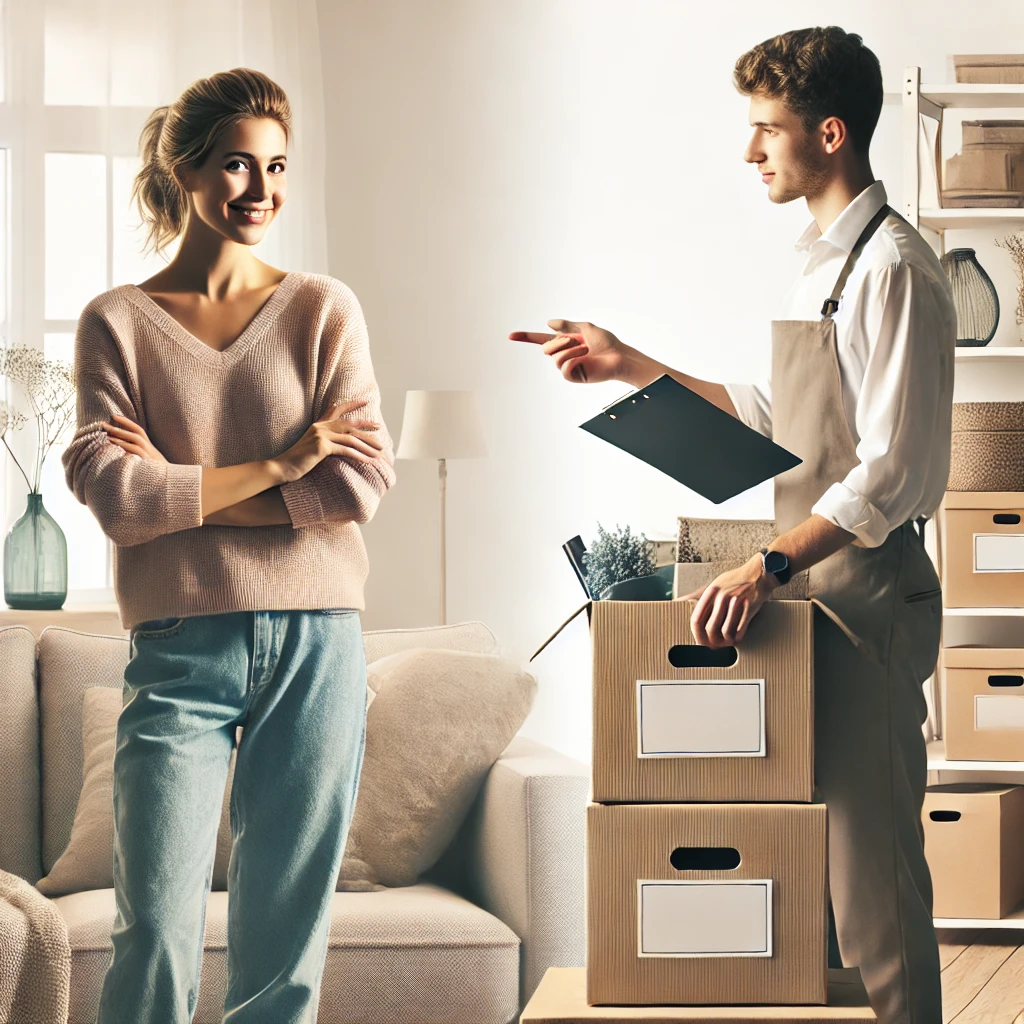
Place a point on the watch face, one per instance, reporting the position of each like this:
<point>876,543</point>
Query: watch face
<point>774,561</point>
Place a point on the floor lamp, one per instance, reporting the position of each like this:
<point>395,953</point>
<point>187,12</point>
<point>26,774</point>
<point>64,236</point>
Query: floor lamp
<point>441,425</point>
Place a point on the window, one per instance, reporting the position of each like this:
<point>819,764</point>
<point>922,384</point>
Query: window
<point>78,78</point>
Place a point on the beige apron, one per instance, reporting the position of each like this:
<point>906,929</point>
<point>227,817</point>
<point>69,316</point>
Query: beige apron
<point>877,628</point>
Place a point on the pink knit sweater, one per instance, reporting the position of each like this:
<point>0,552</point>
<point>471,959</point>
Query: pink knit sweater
<point>306,349</point>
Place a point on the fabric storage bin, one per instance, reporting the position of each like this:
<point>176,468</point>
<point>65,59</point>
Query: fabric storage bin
<point>987,447</point>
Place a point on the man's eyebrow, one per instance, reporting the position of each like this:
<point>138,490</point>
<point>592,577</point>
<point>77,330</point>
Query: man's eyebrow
<point>765,124</point>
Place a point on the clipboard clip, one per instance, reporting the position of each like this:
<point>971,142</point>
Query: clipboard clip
<point>632,395</point>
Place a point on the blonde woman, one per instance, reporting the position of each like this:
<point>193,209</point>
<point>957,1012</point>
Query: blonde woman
<point>229,442</point>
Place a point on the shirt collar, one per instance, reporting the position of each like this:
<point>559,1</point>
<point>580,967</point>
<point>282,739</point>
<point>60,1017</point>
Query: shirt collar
<point>844,231</point>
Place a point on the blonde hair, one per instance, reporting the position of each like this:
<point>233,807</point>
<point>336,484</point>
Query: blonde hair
<point>181,135</point>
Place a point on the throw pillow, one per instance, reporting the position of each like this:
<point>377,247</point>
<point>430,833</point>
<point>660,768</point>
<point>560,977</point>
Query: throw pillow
<point>438,722</point>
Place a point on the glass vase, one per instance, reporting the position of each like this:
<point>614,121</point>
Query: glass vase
<point>35,560</point>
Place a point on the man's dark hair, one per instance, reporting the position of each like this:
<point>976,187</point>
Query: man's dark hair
<point>818,73</point>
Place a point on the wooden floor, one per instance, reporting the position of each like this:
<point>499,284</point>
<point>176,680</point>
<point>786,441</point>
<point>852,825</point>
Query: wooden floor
<point>982,976</point>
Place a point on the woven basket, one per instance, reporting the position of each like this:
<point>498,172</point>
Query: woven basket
<point>988,416</point>
<point>986,460</point>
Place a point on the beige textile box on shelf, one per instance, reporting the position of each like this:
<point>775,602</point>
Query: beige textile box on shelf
<point>987,447</point>
<point>673,720</point>
<point>989,68</point>
<point>973,836</point>
<point>999,168</point>
<point>706,903</point>
<point>983,703</point>
<point>976,134</point>
<point>981,548</point>
<point>561,998</point>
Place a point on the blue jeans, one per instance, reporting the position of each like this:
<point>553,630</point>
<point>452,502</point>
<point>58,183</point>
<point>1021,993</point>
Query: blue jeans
<point>296,680</point>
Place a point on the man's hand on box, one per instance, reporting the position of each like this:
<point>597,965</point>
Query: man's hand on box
<point>727,604</point>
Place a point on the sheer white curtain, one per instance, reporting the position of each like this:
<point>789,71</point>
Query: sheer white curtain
<point>79,79</point>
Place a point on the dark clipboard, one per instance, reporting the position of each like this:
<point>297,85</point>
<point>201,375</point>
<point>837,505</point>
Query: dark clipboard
<point>690,439</point>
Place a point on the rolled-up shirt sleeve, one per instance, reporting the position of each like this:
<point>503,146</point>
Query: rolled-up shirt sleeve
<point>753,403</point>
<point>903,407</point>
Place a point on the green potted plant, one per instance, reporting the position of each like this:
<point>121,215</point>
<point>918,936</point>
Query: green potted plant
<point>620,566</point>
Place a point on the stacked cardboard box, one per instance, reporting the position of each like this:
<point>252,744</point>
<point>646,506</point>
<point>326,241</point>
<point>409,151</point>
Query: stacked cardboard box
<point>990,169</point>
<point>706,855</point>
<point>973,831</point>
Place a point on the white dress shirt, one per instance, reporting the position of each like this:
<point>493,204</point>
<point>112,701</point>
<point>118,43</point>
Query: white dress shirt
<point>896,338</point>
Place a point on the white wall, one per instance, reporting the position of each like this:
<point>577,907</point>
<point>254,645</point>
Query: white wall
<point>494,165</point>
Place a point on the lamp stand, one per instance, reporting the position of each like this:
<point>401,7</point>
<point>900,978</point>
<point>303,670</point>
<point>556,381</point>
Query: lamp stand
<point>442,477</point>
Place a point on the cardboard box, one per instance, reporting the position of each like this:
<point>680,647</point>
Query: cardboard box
<point>706,903</point>
<point>973,834</point>
<point>989,68</point>
<point>981,548</point>
<point>992,133</point>
<point>987,167</point>
<point>673,720</point>
<point>983,698</point>
<point>560,998</point>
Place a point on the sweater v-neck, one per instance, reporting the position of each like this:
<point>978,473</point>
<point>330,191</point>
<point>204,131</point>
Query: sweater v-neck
<point>250,333</point>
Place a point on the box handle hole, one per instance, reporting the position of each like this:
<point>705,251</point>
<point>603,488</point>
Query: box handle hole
<point>1006,518</point>
<point>1006,680</point>
<point>698,656</point>
<point>705,858</point>
<point>944,815</point>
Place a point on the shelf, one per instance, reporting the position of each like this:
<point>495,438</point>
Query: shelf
<point>963,95</point>
<point>983,611</point>
<point>990,352</point>
<point>942,219</point>
<point>1014,920</point>
<point>937,763</point>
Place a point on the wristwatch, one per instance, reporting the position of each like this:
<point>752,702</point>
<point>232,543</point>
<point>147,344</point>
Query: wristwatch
<point>776,563</point>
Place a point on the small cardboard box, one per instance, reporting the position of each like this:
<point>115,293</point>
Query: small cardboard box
<point>706,903</point>
<point>673,720</point>
<point>983,698</point>
<point>989,68</point>
<point>981,548</point>
<point>988,167</point>
<point>973,834</point>
<point>560,998</point>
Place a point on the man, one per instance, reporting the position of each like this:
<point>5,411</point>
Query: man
<point>860,389</point>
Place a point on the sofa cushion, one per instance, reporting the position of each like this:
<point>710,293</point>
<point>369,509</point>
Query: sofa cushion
<point>67,662</point>
<point>419,954</point>
<point>439,722</point>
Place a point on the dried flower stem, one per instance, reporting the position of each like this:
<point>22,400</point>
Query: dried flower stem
<point>1014,245</point>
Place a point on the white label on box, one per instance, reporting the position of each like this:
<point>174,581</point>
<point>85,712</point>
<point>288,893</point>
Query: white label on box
<point>709,918</point>
<point>999,552</point>
<point>998,712</point>
<point>700,718</point>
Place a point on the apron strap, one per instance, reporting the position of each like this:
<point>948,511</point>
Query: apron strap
<point>831,304</point>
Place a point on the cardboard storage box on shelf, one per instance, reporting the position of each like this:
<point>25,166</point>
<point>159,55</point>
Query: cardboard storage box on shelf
<point>561,998</point>
<point>706,903</point>
<point>983,701</point>
<point>977,134</point>
<point>989,68</point>
<point>973,835</point>
<point>981,548</point>
<point>1000,168</point>
<point>673,720</point>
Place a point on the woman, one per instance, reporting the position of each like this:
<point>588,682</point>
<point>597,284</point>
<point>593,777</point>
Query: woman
<point>213,448</point>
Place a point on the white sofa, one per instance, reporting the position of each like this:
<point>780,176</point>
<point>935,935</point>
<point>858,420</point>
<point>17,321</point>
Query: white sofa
<point>468,943</point>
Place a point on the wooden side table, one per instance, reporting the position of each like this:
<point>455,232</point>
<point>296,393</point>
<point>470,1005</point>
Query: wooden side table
<point>92,617</point>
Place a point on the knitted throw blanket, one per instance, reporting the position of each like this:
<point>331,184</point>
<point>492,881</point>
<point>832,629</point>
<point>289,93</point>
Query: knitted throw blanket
<point>35,956</point>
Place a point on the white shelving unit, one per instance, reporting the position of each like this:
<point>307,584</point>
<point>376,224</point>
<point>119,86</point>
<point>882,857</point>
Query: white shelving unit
<point>989,373</point>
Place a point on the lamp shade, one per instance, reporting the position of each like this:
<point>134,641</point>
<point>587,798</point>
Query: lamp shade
<point>441,425</point>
